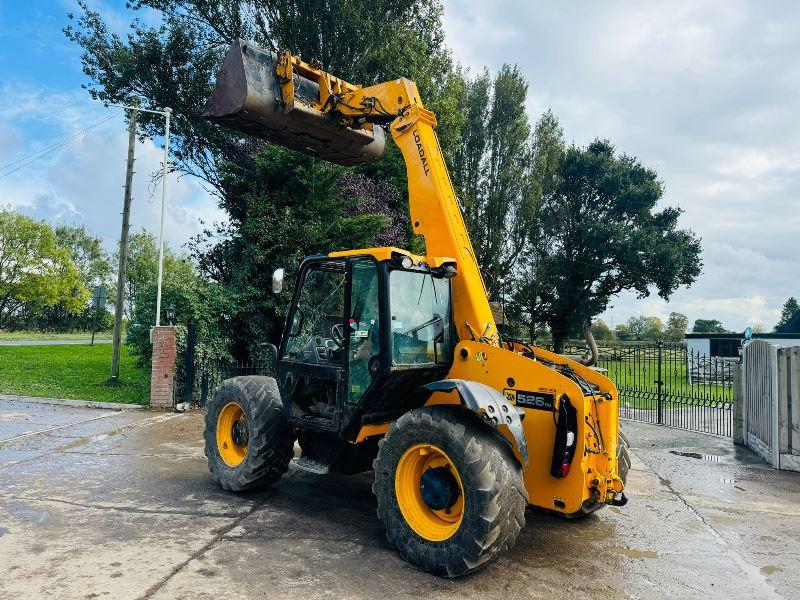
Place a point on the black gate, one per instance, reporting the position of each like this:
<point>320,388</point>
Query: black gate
<point>662,383</point>
<point>204,368</point>
<point>667,384</point>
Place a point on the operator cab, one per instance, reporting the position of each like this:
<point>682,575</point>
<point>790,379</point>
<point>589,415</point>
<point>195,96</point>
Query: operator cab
<point>362,336</point>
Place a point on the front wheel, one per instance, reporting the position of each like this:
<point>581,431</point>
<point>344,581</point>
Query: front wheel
<point>248,440</point>
<point>450,493</point>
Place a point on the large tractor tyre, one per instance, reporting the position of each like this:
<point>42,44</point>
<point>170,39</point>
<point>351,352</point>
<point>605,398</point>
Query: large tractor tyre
<point>248,440</point>
<point>623,457</point>
<point>450,493</point>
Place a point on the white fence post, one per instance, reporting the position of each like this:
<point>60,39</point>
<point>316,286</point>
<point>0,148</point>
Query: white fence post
<point>775,409</point>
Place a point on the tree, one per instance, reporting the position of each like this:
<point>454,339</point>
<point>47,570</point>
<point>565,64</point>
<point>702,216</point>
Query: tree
<point>490,170</point>
<point>790,308</point>
<point>602,332</point>
<point>194,299</point>
<point>547,150</point>
<point>677,324</point>
<point>644,328</point>
<point>142,271</point>
<point>35,272</point>
<point>289,196</point>
<point>175,62</point>
<point>708,326</point>
<point>94,268</point>
<point>623,332</point>
<point>87,253</point>
<point>604,235</point>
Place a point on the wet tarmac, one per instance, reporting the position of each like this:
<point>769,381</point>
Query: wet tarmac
<point>108,504</point>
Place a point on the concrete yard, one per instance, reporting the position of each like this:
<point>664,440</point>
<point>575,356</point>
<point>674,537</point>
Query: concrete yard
<point>105,504</point>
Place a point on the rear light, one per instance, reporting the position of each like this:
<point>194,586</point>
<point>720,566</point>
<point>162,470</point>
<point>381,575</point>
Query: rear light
<point>565,438</point>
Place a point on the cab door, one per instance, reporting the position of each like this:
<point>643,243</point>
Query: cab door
<point>363,348</point>
<point>311,369</point>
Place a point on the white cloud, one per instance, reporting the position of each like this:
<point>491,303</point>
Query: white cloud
<point>702,91</point>
<point>82,183</point>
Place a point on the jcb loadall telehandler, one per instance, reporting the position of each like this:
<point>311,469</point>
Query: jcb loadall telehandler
<point>393,361</point>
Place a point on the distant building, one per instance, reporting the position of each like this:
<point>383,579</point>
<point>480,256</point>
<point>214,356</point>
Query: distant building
<point>723,345</point>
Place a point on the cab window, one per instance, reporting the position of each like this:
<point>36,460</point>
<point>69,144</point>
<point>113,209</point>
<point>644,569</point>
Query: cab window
<point>316,333</point>
<point>364,328</point>
<point>421,331</point>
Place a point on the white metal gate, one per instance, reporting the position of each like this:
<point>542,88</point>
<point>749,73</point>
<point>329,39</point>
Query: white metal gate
<point>771,398</point>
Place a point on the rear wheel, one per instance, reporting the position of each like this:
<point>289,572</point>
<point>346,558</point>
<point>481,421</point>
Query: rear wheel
<point>450,493</point>
<point>248,440</point>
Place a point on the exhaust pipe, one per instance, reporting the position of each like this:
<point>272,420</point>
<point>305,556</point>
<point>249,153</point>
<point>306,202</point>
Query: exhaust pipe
<point>247,97</point>
<point>594,355</point>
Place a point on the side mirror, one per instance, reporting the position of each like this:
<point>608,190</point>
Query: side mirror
<point>277,281</point>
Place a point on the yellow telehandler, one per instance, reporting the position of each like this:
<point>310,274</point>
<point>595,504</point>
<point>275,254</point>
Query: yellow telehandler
<point>393,362</point>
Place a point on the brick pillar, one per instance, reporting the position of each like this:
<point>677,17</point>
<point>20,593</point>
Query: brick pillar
<point>162,378</point>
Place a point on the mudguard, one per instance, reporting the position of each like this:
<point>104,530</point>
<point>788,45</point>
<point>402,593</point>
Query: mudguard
<point>493,406</point>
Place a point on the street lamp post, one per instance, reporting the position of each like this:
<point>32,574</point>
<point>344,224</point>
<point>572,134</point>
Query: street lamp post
<point>167,112</point>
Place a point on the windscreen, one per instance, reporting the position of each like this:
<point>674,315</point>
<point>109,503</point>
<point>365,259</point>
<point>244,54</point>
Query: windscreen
<point>420,318</point>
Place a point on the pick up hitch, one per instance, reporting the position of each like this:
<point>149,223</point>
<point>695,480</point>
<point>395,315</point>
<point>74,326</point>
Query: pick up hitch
<point>619,500</point>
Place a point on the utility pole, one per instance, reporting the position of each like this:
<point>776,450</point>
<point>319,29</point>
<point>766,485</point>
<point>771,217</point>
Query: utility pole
<point>123,248</point>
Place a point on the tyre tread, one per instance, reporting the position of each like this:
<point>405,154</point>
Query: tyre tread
<point>499,495</point>
<point>271,444</point>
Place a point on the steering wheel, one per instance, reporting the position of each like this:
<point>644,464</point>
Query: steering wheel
<point>337,335</point>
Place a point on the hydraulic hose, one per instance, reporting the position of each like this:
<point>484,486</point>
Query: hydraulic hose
<point>587,333</point>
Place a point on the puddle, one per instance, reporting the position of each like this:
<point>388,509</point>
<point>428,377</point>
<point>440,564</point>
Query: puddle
<point>632,553</point>
<point>697,455</point>
<point>731,482</point>
<point>19,509</point>
<point>84,441</point>
<point>770,569</point>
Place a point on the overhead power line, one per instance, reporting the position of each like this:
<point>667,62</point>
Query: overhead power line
<point>23,162</point>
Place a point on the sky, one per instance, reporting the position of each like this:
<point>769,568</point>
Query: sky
<point>704,92</point>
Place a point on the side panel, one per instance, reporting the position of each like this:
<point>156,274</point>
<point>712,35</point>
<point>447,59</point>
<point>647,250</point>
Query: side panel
<point>594,461</point>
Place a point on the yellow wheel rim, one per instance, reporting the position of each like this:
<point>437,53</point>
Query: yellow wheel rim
<point>429,523</point>
<point>232,416</point>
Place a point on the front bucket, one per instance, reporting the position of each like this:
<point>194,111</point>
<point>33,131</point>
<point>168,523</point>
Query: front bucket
<point>247,97</point>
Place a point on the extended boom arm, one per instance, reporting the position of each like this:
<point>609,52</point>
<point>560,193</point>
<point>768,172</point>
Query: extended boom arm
<point>296,104</point>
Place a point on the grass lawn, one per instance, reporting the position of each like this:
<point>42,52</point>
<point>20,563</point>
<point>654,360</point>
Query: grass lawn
<point>10,336</point>
<point>71,371</point>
